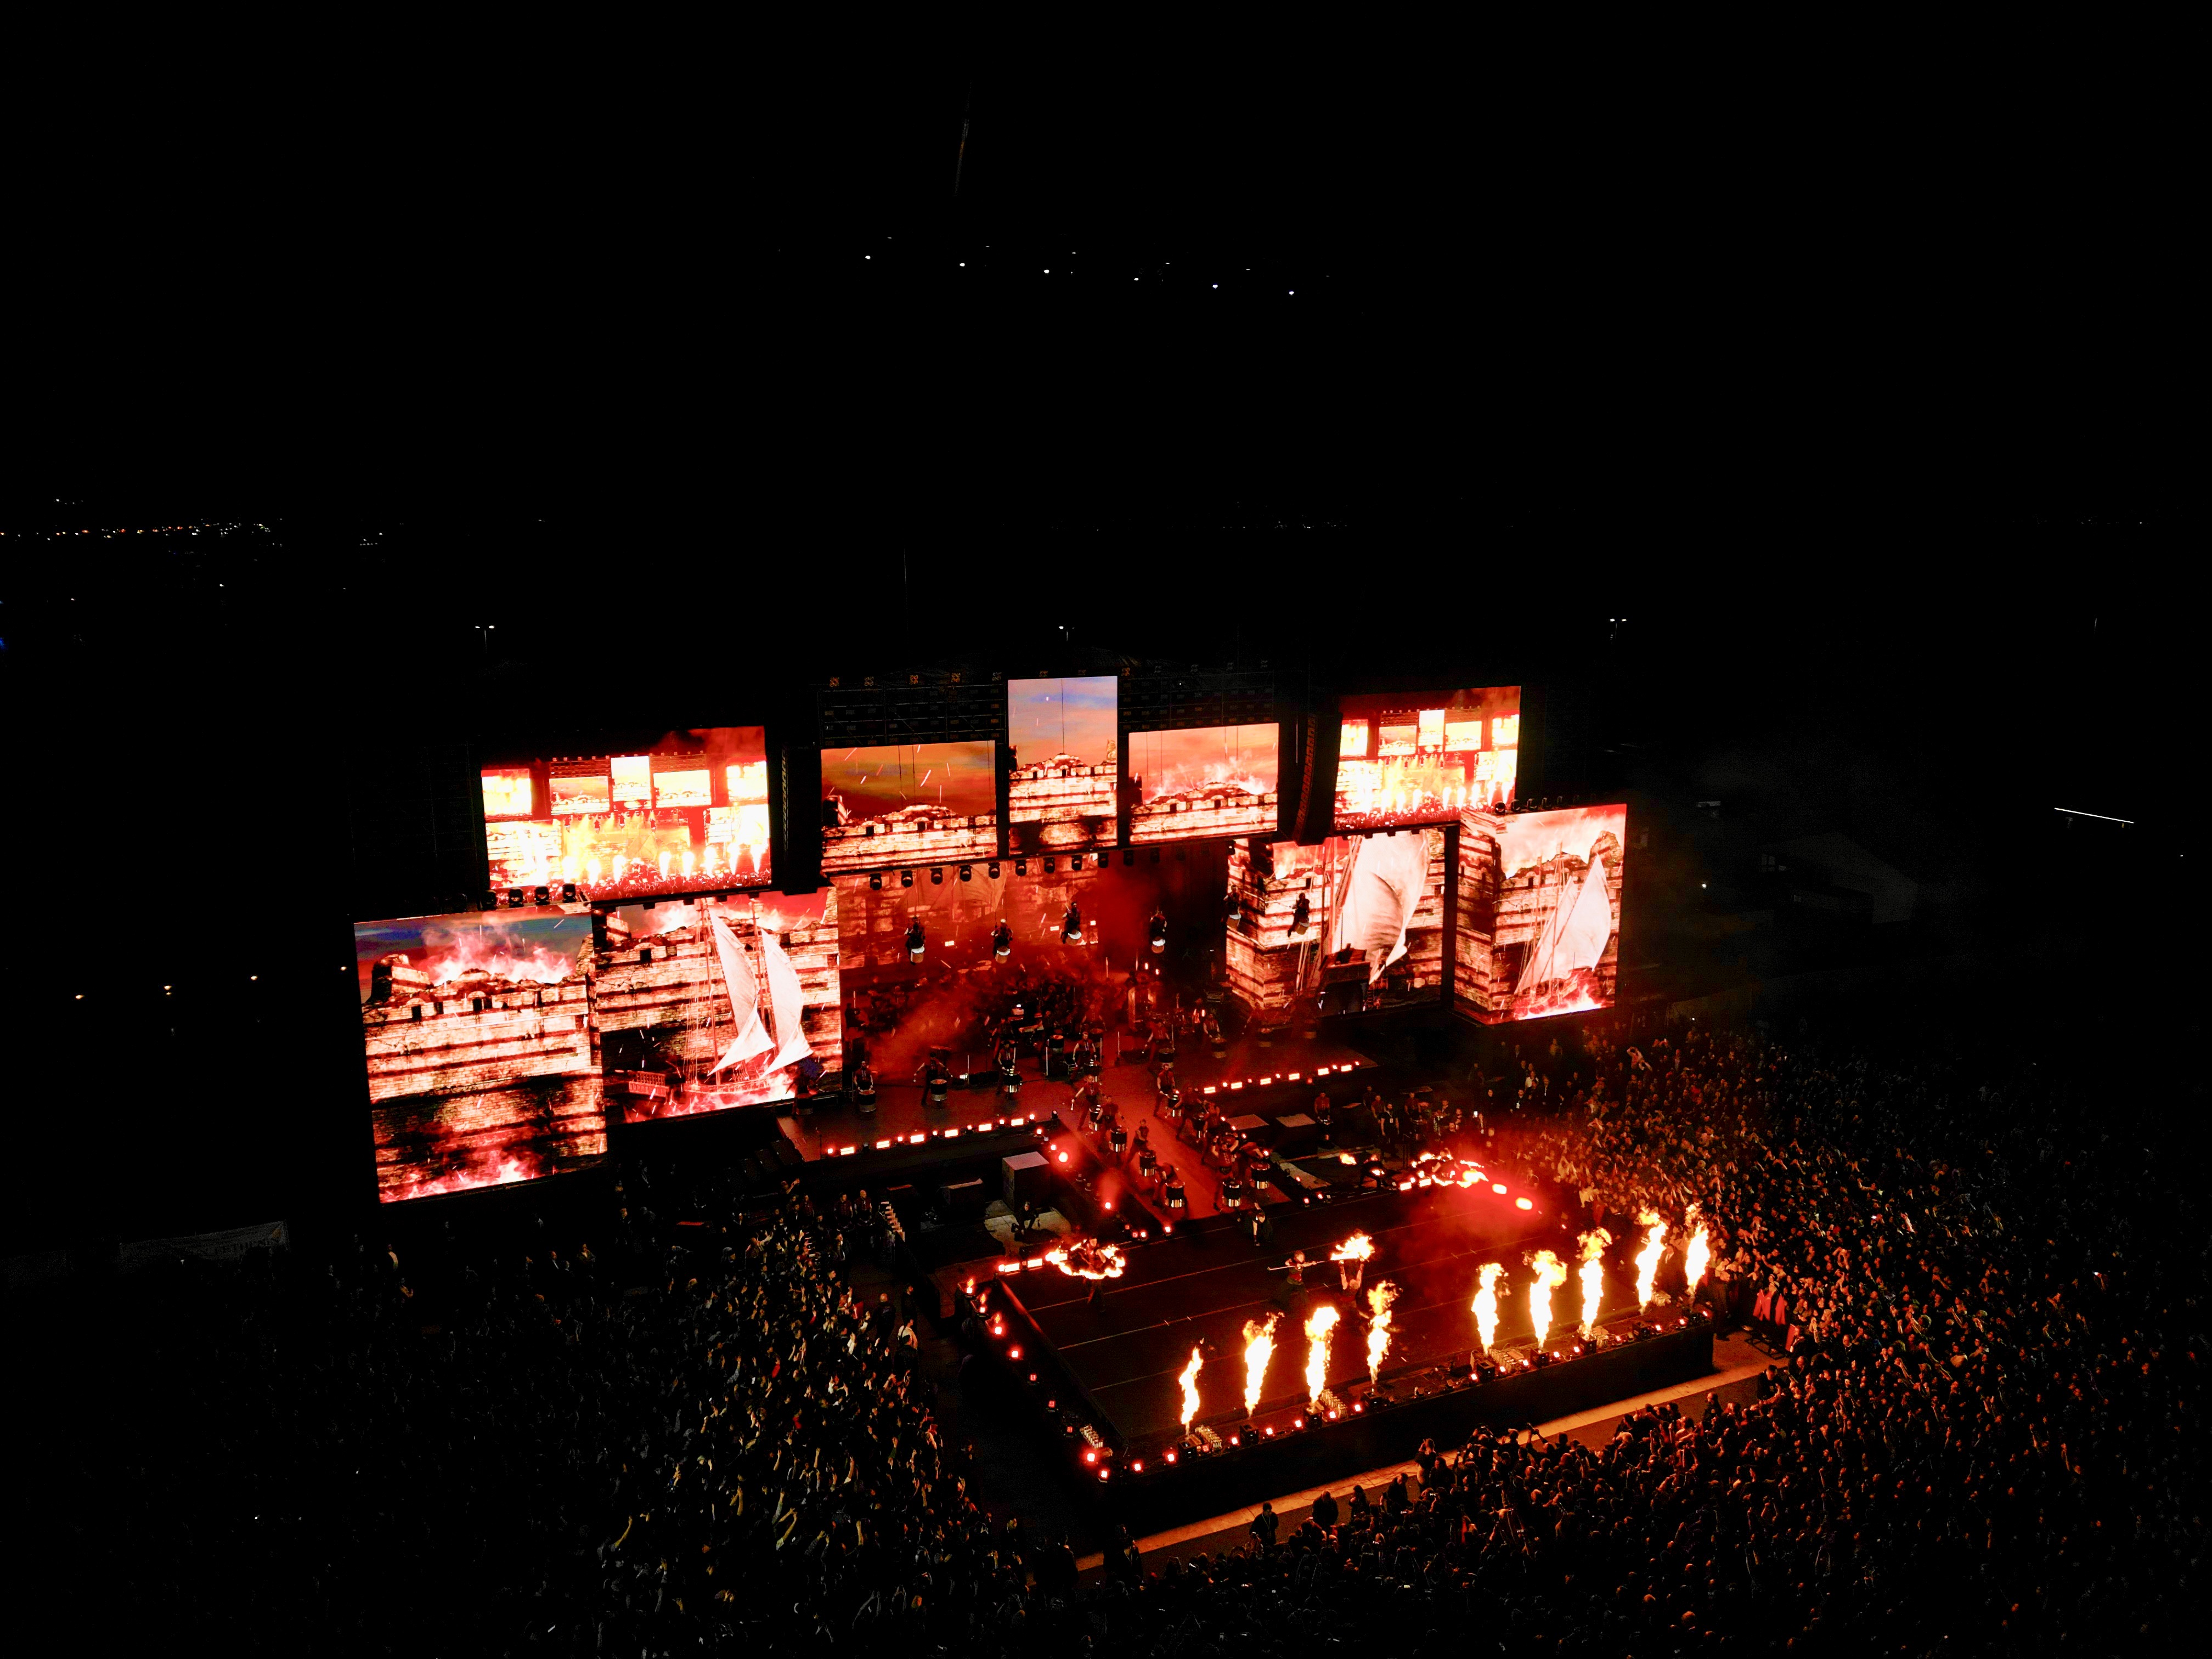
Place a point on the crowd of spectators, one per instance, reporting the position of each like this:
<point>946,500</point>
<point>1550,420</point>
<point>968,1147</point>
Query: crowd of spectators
<point>1982,1433</point>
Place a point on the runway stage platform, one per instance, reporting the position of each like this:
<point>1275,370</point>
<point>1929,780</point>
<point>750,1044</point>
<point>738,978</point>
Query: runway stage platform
<point>1108,1367</point>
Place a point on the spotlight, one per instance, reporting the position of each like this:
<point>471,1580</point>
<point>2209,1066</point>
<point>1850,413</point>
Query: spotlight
<point>1002,941</point>
<point>1071,926</point>
<point>490,902</point>
<point>1156,931</point>
<point>993,870</point>
<point>905,878</point>
<point>876,883</point>
<point>1232,910</point>
<point>916,942</point>
<point>567,892</point>
<point>1021,867</point>
<point>1301,917</point>
<point>1076,862</point>
<point>514,897</point>
<point>1051,866</point>
<point>1156,853</point>
<point>1128,856</point>
<point>967,874</point>
<point>937,876</point>
<point>544,895</point>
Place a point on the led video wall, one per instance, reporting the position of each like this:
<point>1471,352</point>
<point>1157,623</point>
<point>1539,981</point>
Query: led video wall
<point>707,1003</point>
<point>477,1034</point>
<point>1063,763</point>
<point>908,804</point>
<point>1425,757</point>
<point>1078,953</point>
<point>1353,924</point>
<point>1202,780</point>
<point>1537,930</point>
<point>689,816</point>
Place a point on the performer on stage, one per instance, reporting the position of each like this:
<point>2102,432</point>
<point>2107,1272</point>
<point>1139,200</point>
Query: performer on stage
<point>863,1078</point>
<point>936,1079</point>
<point>1117,1138</point>
<point>1171,1190</point>
<point>1010,1069</point>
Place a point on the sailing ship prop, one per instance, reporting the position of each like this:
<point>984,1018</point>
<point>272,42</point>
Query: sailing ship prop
<point>736,1006</point>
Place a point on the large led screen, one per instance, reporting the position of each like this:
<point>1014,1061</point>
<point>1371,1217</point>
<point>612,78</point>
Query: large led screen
<point>961,992</point>
<point>1538,928</point>
<point>689,816</point>
<point>1059,786</point>
<point>915,803</point>
<point>1408,758</point>
<point>712,1003</point>
<point>1202,780</point>
<point>476,1031</point>
<point>1370,933</point>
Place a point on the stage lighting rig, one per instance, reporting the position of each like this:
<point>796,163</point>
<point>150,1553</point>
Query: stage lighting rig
<point>1301,917</point>
<point>937,875</point>
<point>1051,865</point>
<point>1071,925</point>
<point>1157,932</point>
<point>541,896</point>
<point>1021,867</point>
<point>490,902</point>
<point>992,870</point>
<point>1002,941</point>
<point>967,874</point>
<point>567,892</point>
<point>916,940</point>
<point>876,883</point>
<point>905,878</point>
<point>514,898</point>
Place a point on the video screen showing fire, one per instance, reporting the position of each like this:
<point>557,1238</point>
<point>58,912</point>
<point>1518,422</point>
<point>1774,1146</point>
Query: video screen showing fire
<point>1062,764</point>
<point>705,1004</point>
<point>1350,925</point>
<point>689,815</point>
<point>1538,930</point>
<point>1202,780</point>
<point>1425,758</point>
<point>477,1034</point>
<point>924,972</point>
<point>908,804</point>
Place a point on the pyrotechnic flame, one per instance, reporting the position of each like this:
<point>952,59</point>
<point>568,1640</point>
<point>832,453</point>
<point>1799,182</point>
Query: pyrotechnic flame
<point>1259,1349</point>
<point>1319,1324</point>
<point>1647,1259</point>
<point>1485,1301</point>
<point>1698,1251</point>
<point>1551,1274</point>
<point>1190,1386</point>
<point>1592,1275</point>
<point>1091,1261</point>
<point>1358,1248</point>
<point>1379,1299</point>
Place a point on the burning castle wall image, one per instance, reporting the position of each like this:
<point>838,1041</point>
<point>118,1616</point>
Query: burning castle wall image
<point>1207,781</point>
<point>1375,933</point>
<point>1060,787</point>
<point>1424,758</point>
<point>1538,925</point>
<point>725,1004</point>
<point>477,1034</point>
<point>910,804</point>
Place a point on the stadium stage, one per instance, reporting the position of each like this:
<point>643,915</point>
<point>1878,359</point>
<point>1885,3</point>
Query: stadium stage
<point>1108,1367</point>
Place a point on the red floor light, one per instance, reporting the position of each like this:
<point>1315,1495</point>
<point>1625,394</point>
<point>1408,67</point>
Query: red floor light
<point>1359,1405</point>
<point>1013,1354</point>
<point>1137,1467</point>
<point>1091,1457</point>
<point>1498,1186</point>
<point>1171,1457</point>
<point>1523,1204</point>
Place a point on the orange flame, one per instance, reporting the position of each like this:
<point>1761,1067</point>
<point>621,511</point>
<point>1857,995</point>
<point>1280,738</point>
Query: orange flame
<point>1358,1248</point>
<point>1698,1252</point>
<point>1647,1259</point>
<point>1551,1274</point>
<point>1319,1324</point>
<point>1259,1349</point>
<point>1592,1275</point>
<point>1379,1299</point>
<point>1089,1260</point>
<point>1486,1303</point>
<point>1190,1387</point>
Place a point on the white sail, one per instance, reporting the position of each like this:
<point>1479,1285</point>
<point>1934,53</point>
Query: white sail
<point>1576,934</point>
<point>745,997</point>
<point>1388,877</point>
<point>787,1001</point>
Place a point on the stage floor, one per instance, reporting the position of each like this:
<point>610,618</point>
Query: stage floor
<point>1127,1351</point>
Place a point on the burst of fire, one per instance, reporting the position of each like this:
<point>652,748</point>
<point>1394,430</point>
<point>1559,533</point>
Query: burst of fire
<point>1259,1349</point>
<point>1379,1299</point>
<point>1698,1251</point>
<point>1647,1259</point>
<point>1592,1275</point>
<point>1190,1387</point>
<point>1551,1274</point>
<point>1319,1324</point>
<point>1088,1260</point>
<point>1486,1303</point>
<point>1358,1248</point>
